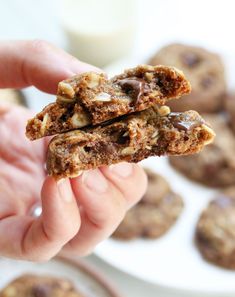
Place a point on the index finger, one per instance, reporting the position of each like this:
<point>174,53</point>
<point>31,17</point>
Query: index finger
<point>37,63</point>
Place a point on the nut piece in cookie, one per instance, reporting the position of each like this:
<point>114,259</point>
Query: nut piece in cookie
<point>155,214</point>
<point>215,233</point>
<point>215,165</point>
<point>91,98</point>
<point>39,286</point>
<point>204,70</point>
<point>131,138</point>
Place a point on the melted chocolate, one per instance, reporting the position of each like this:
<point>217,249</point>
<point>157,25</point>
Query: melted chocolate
<point>177,122</point>
<point>135,86</point>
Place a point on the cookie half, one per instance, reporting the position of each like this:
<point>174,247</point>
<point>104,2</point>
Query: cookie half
<point>215,233</point>
<point>156,212</point>
<point>131,138</point>
<point>91,98</point>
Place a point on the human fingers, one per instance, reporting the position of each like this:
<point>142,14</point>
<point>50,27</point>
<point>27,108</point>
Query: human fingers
<point>104,202</point>
<point>37,63</point>
<point>42,238</point>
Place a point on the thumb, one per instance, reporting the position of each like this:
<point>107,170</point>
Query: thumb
<point>58,223</point>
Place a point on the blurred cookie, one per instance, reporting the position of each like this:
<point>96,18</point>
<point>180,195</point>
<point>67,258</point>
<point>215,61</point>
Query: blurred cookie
<point>230,108</point>
<point>11,96</point>
<point>204,70</point>
<point>39,286</point>
<point>215,233</point>
<point>215,165</point>
<point>154,214</point>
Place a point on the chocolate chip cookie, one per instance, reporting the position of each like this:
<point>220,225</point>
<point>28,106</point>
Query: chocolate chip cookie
<point>39,286</point>
<point>151,132</point>
<point>204,70</point>
<point>230,109</point>
<point>215,165</point>
<point>215,233</point>
<point>154,214</point>
<point>91,98</point>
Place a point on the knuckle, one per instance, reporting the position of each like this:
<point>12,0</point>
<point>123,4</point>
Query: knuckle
<point>62,235</point>
<point>116,212</point>
<point>39,45</point>
<point>73,230</point>
<point>43,258</point>
<point>85,252</point>
<point>38,258</point>
<point>72,59</point>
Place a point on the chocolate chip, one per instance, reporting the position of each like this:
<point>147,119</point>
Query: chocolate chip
<point>109,148</point>
<point>123,138</point>
<point>190,59</point>
<point>178,123</point>
<point>223,201</point>
<point>41,291</point>
<point>207,81</point>
<point>87,149</point>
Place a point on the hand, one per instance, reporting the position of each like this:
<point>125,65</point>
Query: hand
<point>76,213</point>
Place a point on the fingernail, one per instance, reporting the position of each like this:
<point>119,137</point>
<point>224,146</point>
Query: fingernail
<point>95,181</point>
<point>64,189</point>
<point>122,169</point>
<point>81,67</point>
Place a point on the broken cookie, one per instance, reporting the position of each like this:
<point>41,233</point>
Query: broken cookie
<point>130,138</point>
<point>91,98</point>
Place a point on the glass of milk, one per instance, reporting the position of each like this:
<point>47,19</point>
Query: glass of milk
<point>99,31</point>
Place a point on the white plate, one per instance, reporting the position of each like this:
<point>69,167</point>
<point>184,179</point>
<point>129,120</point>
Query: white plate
<point>173,261</point>
<point>86,280</point>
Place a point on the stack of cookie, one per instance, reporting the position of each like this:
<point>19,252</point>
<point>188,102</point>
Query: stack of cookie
<point>102,121</point>
<point>215,166</point>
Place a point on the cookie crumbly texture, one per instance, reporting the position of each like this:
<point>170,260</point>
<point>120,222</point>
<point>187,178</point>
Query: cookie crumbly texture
<point>230,109</point>
<point>215,233</point>
<point>91,98</point>
<point>215,165</point>
<point>204,70</point>
<point>155,214</point>
<point>39,286</point>
<point>132,139</point>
